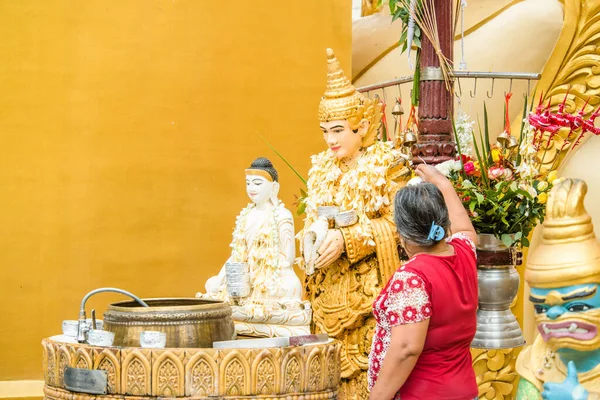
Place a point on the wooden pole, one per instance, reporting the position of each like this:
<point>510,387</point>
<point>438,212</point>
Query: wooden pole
<point>436,103</point>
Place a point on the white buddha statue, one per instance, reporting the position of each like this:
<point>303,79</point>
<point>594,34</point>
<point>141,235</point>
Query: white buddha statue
<point>263,239</point>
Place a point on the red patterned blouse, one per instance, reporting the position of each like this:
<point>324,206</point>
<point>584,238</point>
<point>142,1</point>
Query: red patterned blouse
<point>444,289</point>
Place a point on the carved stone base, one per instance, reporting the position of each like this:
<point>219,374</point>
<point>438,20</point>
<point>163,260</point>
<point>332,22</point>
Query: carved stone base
<point>258,330</point>
<point>495,372</point>
<point>51,393</point>
<point>260,321</point>
<point>303,372</point>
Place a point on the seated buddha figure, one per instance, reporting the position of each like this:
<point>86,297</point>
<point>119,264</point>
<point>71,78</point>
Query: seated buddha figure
<point>263,243</point>
<point>564,275</point>
<point>349,241</point>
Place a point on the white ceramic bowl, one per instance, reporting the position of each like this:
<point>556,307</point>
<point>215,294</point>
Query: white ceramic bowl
<point>97,337</point>
<point>153,339</point>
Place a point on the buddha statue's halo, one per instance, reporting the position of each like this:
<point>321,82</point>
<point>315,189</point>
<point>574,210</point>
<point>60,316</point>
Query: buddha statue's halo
<point>342,101</point>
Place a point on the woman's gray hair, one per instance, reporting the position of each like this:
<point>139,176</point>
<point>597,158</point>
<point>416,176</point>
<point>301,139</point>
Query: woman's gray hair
<point>416,208</point>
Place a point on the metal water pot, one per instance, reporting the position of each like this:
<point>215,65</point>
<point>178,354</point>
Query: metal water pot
<point>497,327</point>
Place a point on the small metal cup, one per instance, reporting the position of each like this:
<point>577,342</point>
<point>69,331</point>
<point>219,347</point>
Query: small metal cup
<point>153,339</point>
<point>328,212</point>
<point>97,337</point>
<point>238,289</point>
<point>70,328</point>
<point>346,218</point>
<point>236,267</point>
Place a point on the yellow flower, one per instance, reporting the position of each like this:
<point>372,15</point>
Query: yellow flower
<point>552,176</point>
<point>496,155</point>
<point>542,198</point>
<point>542,186</point>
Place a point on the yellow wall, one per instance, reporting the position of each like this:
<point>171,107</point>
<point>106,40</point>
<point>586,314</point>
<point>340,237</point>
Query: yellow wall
<point>125,128</point>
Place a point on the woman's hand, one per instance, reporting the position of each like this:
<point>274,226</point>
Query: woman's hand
<point>459,219</point>
<point>331,249</point>
<point>431,174</point>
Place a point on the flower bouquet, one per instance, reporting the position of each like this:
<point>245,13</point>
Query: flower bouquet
<point>504,186</point>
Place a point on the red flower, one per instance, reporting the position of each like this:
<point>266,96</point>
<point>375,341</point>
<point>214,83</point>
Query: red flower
<point>415,282</point>
<point>394,317</point>
<point>466,198</point>
<point>469,168</point>
<point>409,314</point>
<point>397,286</point>
<point>426,310</point>
<point>465,158</point>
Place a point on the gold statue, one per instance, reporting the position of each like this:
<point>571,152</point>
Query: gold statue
<point>349,242</point>
<point>564,276</point>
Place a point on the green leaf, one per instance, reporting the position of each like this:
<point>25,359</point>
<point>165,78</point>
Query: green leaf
<point>284,160</point>
<point>416,80</point>
<point>472,205</point>
<point>518,236</point>
<point>301,209</point>
<point>417,41</point>
<point>404,47</point>
<point>479,159</point>
<point>467,184</point>
<point>480,198</point>
<point>487,135</point>
<point>507,240</point>
<point>403,35</point>
<point>525,242</point>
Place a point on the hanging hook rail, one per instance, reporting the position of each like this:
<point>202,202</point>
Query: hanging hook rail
<point>490,95</point>
<point>459,93</point>
<point>473,92</point>
<point>460,74</point>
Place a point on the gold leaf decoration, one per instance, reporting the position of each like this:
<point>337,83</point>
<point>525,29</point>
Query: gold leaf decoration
<point>495,373</point>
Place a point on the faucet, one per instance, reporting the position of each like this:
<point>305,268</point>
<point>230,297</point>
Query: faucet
<point>82,327</point>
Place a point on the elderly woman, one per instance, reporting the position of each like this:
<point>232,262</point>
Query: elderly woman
<point>426,314</point>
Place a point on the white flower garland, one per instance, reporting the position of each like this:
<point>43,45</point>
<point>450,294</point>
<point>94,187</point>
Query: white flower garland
<point>365,188</point>
<point>527,168</point>
<point>464,133</point>
<point>262,254</point>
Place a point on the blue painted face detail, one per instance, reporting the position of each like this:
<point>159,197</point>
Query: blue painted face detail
<point>575,303</point>
<point>575,299</point>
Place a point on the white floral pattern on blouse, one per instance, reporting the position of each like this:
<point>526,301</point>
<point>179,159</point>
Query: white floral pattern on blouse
<point>404,301</point>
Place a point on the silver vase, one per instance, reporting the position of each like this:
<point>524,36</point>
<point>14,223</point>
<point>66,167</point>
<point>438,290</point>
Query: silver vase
<point>497,327</point>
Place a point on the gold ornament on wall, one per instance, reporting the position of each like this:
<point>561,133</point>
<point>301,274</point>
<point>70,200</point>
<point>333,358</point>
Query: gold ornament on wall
<point>495,373</point>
